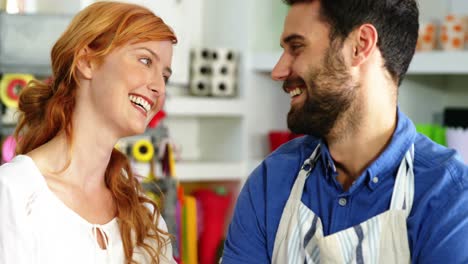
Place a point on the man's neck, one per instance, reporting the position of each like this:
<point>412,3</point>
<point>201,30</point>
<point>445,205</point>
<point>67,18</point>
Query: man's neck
<point>359,147</point>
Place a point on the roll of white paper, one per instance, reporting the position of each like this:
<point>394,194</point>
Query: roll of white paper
<point>452,35</point>
<point>200,85</point>
<point>200,55</point>
<point>427,38</point>
<point>223,86</point>
<point>224,55</point>
<point>201,68</point>
<point>457,138</point>
<point>224,69</point>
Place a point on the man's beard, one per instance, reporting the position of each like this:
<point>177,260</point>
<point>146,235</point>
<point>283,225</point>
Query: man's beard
<point>330,93</point>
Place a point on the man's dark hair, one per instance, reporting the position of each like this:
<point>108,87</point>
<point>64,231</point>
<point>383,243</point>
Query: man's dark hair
<point>396,22</point>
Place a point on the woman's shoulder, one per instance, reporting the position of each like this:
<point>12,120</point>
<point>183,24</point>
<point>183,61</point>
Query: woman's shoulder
<point>19,174</point>
<point>160,220</point>
<point>165,252</point>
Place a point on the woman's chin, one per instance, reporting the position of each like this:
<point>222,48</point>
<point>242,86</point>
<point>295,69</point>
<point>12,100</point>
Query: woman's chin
<point>134,131</point>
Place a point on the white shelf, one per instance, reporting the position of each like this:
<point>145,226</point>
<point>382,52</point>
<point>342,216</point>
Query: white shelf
<point>42,70</point>
<point>209,171</point>
<point>439,62</point>
<point>434,62</point>
<point>204,106</point>
<point>190,171</point>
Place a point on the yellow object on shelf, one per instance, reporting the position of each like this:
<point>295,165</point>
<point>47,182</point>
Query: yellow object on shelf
<point>11,86</point>
<point>190,221</point>
<point>143,150</point>
<point>171,158</point>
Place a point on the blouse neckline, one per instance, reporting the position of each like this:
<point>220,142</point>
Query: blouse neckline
<point>75,215</point>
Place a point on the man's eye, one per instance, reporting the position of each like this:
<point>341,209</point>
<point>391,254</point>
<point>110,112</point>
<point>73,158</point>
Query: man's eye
<point>146,61</point>
<point>295,47</point>
<point>166,79</point>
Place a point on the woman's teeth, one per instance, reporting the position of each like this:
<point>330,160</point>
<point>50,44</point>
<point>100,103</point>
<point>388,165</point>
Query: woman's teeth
<point>295,92</point>
<point>140,102</point>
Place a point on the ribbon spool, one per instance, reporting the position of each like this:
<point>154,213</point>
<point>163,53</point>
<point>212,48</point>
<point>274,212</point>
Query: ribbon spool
<point>143,150</point>
<point>8,148</point>
<point>11,86</point>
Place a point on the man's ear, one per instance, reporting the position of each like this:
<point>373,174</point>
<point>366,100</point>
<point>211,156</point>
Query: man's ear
<point>364,43</point>
<point>84,64</point>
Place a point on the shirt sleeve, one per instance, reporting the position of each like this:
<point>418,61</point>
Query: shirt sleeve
<point>246,239</point>
<point>444,236</point>
<point>16,243</point>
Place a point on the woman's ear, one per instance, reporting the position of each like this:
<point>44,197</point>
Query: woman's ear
<point>84,64</point>
<point>364,43</point>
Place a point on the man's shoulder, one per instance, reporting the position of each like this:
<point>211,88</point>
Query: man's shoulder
<point>441,170</point>
<point>292,153</point>
<point>284,163</point>
<point>431,157</point>
<point>297,147</point>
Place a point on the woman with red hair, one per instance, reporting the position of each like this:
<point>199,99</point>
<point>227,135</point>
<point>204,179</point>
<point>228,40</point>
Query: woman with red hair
<point>69,196</point>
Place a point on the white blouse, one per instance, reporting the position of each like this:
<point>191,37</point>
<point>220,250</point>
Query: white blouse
<point>37,227</point>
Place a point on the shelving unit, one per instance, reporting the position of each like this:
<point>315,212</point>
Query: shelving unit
<point>19,32</point>
<point>440,63</point>
<point>38,69</point>
<point>212,130</point>
<point>185,106</point>
<point>209,171</point>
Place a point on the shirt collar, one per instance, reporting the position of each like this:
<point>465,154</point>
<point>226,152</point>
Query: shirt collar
<point>389,159</point>
<point>327,160</point>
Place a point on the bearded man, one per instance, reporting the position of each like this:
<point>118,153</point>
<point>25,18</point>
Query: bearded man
<point>362,186</point>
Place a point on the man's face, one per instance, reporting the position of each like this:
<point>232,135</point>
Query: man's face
<point>314,73</point>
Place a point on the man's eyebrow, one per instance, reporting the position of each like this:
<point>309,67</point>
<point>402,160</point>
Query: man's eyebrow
<point>290,38</point>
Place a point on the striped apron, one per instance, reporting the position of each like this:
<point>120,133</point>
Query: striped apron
<point>381,239</point>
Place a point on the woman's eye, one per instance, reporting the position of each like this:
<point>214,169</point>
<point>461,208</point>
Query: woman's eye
<point>146,61</point>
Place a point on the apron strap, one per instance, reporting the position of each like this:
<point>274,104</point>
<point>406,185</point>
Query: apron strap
<point>403,191</point>
<point>307,166</point>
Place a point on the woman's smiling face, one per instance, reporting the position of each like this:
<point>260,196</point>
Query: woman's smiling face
<point>128,88</point>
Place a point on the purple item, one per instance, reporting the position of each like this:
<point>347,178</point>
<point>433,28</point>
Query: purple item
<point>8,149</point>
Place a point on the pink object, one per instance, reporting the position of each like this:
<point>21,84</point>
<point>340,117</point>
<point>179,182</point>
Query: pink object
<point>8,149</point>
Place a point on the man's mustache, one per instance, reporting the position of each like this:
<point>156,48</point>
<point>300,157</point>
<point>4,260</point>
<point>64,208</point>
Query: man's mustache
<point>293,82</point>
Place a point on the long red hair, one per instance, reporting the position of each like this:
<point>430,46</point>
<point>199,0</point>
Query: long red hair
<point>46,109</point>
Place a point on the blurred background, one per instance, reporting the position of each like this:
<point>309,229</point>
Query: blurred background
<point>223,112</point>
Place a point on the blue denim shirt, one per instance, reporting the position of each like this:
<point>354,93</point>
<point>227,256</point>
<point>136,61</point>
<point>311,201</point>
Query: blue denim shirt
<point>437,225</point>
